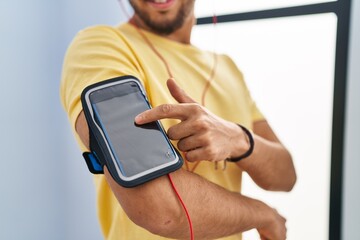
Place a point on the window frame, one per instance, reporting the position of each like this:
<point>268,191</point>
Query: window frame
<point>342,10</point>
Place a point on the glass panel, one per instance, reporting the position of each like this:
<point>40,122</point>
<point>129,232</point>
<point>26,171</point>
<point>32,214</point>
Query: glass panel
<point>208,8</point>
<point>288,65</point>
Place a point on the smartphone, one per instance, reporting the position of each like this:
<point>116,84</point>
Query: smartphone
<point>134,153</point>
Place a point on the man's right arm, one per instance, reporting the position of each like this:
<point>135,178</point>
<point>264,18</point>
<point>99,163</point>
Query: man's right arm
<point>215,212</point>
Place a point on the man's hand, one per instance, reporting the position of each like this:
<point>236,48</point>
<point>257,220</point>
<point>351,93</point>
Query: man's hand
<point>201,134</point>
<point>275,229</point>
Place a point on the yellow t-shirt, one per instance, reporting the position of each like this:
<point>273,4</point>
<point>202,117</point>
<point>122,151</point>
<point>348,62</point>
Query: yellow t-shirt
<point>103,52</point>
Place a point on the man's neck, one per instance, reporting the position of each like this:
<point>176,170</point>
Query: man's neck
<point>181,35</point>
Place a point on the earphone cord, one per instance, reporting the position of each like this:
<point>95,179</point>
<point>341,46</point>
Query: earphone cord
<point>169,176</point>
<point>184,207</point>
<point>168,69</point>
<point>205,90</point>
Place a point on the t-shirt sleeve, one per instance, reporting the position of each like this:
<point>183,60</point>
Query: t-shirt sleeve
<point>96,54</point>
<point>256,114</point>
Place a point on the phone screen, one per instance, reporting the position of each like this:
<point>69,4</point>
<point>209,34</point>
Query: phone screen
<point>136,148</point>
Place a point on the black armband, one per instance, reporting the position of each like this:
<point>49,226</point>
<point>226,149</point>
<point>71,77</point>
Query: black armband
<point>133,154</point>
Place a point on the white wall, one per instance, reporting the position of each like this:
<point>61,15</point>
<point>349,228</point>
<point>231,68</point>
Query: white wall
<point>288,64</point>
<point>351,194</point>
<point>46,191</point>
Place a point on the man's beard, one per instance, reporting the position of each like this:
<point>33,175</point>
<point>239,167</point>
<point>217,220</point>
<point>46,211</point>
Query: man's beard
<point>166,27</point>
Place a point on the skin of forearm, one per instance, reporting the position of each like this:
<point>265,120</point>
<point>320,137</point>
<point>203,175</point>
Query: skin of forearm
<point>214,211</point>
<point>270,165</point>
<point>204,136</point>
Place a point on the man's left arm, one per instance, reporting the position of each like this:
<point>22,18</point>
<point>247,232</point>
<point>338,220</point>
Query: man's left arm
<point>270,165</point>
<point>201,135</point>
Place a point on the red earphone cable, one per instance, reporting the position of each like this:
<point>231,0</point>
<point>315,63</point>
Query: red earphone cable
<point>207,86</point>
<point>184,207</point>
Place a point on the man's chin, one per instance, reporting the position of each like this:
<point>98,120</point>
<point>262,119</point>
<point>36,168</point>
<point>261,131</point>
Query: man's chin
<point>163,29</point>
<point>163,25</point>
<point>162,21</point>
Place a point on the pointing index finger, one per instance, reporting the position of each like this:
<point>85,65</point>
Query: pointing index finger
<point>173,111</point>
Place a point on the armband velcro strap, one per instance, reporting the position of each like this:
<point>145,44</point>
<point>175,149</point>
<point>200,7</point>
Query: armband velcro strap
<point>93,163</point>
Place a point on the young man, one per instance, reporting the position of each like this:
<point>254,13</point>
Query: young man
<point>200,111</point>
